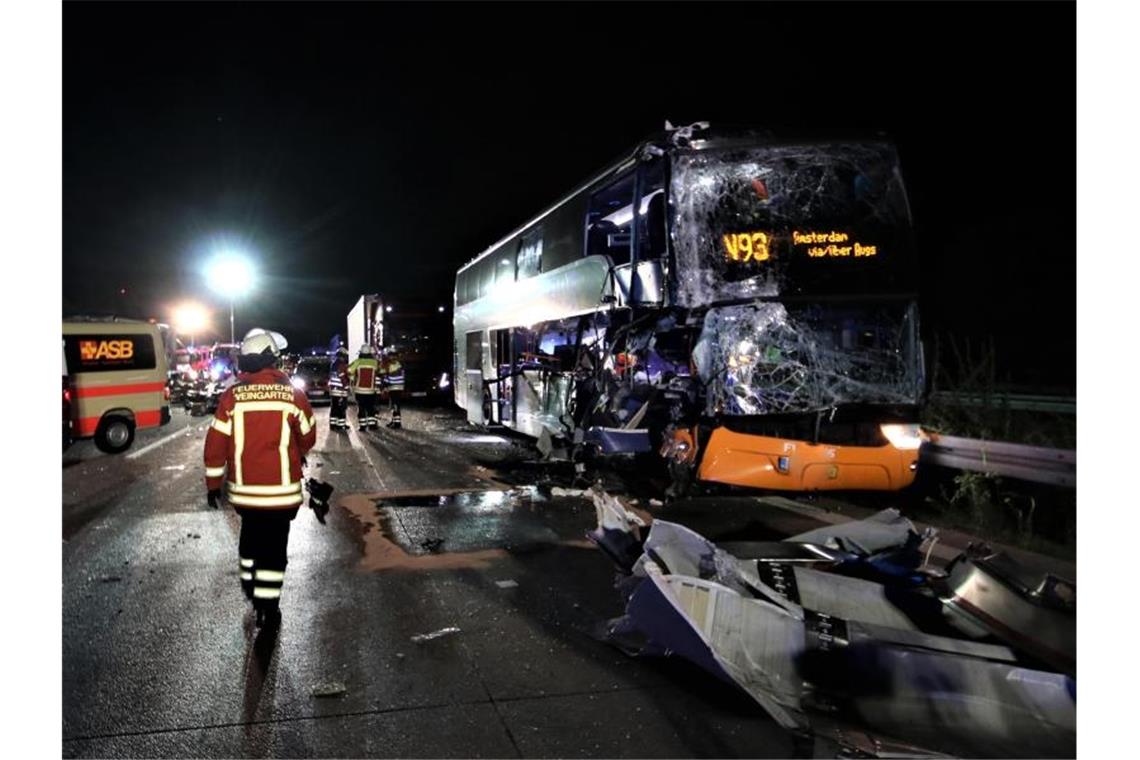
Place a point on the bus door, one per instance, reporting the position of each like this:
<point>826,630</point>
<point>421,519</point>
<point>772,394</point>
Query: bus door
<point>475,391</point>
<point>502,359</point>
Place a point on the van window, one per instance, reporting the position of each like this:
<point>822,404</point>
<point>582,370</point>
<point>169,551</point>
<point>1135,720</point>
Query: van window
<point>109,352</point>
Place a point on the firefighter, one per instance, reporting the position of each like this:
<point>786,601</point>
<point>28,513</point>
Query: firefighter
<point>364,376</point>
<point>258,439</point>
<point>393,373</point>
<point>338,391</point>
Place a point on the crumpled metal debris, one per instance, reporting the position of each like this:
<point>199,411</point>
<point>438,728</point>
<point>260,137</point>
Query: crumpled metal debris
<point>422,637</point>
<point>986,593</point>
<point>812,645</point>
<point>558,491</point>
<point>619,531</point>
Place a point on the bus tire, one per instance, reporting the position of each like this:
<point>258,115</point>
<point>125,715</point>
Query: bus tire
<point>115,434</point>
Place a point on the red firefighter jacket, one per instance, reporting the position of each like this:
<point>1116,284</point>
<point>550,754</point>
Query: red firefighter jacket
<point>365,374</point>
<point>261,430</point>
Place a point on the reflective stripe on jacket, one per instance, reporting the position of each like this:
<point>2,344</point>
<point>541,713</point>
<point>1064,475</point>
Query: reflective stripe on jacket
<point>364,373</point>
<point>262,428</point>
<point>338,378</point>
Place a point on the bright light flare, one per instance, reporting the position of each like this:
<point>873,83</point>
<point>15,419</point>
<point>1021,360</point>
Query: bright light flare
<point>191,318</point>
<point>230,275</point>
<point>903,437</point>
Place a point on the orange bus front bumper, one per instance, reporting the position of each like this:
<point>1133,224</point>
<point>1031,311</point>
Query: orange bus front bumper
<point>781,464</point>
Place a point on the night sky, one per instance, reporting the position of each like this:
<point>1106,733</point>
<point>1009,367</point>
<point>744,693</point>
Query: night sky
<point>376,148</point>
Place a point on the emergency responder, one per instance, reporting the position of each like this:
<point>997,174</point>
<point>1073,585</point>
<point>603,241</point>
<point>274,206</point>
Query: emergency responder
<point>364,376</point>
<point>392,373</point>
<point>258,439</point>
<point>338,390</point>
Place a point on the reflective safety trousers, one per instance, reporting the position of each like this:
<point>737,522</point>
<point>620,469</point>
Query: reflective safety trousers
<point>260,432</point>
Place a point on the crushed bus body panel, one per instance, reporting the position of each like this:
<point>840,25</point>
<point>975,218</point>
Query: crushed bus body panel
<point>779,464</point>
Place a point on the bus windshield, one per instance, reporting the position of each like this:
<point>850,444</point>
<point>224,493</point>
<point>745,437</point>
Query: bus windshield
<point>782,221</point>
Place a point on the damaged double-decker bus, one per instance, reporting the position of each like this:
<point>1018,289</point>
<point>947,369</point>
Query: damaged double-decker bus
<point>744,306</point>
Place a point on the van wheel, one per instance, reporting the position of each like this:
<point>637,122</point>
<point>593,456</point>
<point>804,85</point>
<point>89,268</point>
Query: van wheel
<point>115,434</point>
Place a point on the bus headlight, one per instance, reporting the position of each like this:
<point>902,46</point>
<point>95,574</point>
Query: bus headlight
<point>443,381</point>
<point>903,437</point>
<point>298,383</point>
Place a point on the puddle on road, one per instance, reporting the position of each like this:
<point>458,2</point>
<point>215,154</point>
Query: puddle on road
<point>382,553</point>
<point>466,501</point>
<point>451,529</point>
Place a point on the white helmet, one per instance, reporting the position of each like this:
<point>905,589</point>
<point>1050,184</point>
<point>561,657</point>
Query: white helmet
<point>259,341</point>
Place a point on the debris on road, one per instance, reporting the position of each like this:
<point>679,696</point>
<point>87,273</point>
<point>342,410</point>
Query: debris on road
<point>844,628</point>
<point>178,467</point>
<point>507,584</point>
<point>422,637</point>
<point>110,579</point>
<point>431,544</point>
<point>330,689</point>
<point>558,491</point>
<point>990,594</point>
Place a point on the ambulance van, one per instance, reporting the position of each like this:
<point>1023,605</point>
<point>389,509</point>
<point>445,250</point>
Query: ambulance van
<point>117,372</point>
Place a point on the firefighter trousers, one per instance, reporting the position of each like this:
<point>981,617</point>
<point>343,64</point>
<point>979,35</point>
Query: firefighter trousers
<point>337,413</point>
<point>394,408</point>
<point>262,549</point>
<point>366,410</point>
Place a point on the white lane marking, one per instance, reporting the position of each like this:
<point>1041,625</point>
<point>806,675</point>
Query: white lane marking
<point>357,444</point>
<point>150,447</point>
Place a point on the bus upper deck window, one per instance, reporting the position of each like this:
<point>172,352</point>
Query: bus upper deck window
<point>610,220</point>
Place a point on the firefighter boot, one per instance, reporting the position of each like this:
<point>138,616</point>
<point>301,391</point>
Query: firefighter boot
<point>268,615</point>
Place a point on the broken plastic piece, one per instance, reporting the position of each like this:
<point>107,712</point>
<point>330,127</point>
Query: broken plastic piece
<point>507,584</point>
<point>330,689</point>
<point>619,440</point>
<point>422,637</point>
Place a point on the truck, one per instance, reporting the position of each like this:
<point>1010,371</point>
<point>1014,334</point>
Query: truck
<point>366,324</point>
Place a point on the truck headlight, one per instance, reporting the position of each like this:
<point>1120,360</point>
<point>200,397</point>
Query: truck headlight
<point>443,381</point>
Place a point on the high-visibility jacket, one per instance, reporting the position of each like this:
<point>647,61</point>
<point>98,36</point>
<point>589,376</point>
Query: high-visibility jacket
<point>262,428</point>
<point>365,375</point>
<point>338,378</point>
<point>393,373</point>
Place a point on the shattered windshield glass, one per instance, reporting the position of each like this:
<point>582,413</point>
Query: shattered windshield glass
<point>774,358</point>
<point>780,221</point>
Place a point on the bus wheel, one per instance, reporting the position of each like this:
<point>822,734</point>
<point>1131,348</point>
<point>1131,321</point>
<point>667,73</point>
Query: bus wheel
<point>115,434</point>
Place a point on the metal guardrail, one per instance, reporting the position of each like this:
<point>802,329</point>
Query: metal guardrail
<point>1017,401</point>
<point>1013,460</point>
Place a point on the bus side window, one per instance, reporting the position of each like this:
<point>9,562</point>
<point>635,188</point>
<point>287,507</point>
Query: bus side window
<point>609,220</point>
<point>475,350</point>
<point>529,256</point>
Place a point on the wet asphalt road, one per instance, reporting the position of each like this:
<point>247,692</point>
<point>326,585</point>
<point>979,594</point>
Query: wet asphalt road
<point>160,657</point>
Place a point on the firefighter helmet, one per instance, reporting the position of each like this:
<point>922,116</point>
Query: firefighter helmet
<point>366,350</point>
<point>259,341</point>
